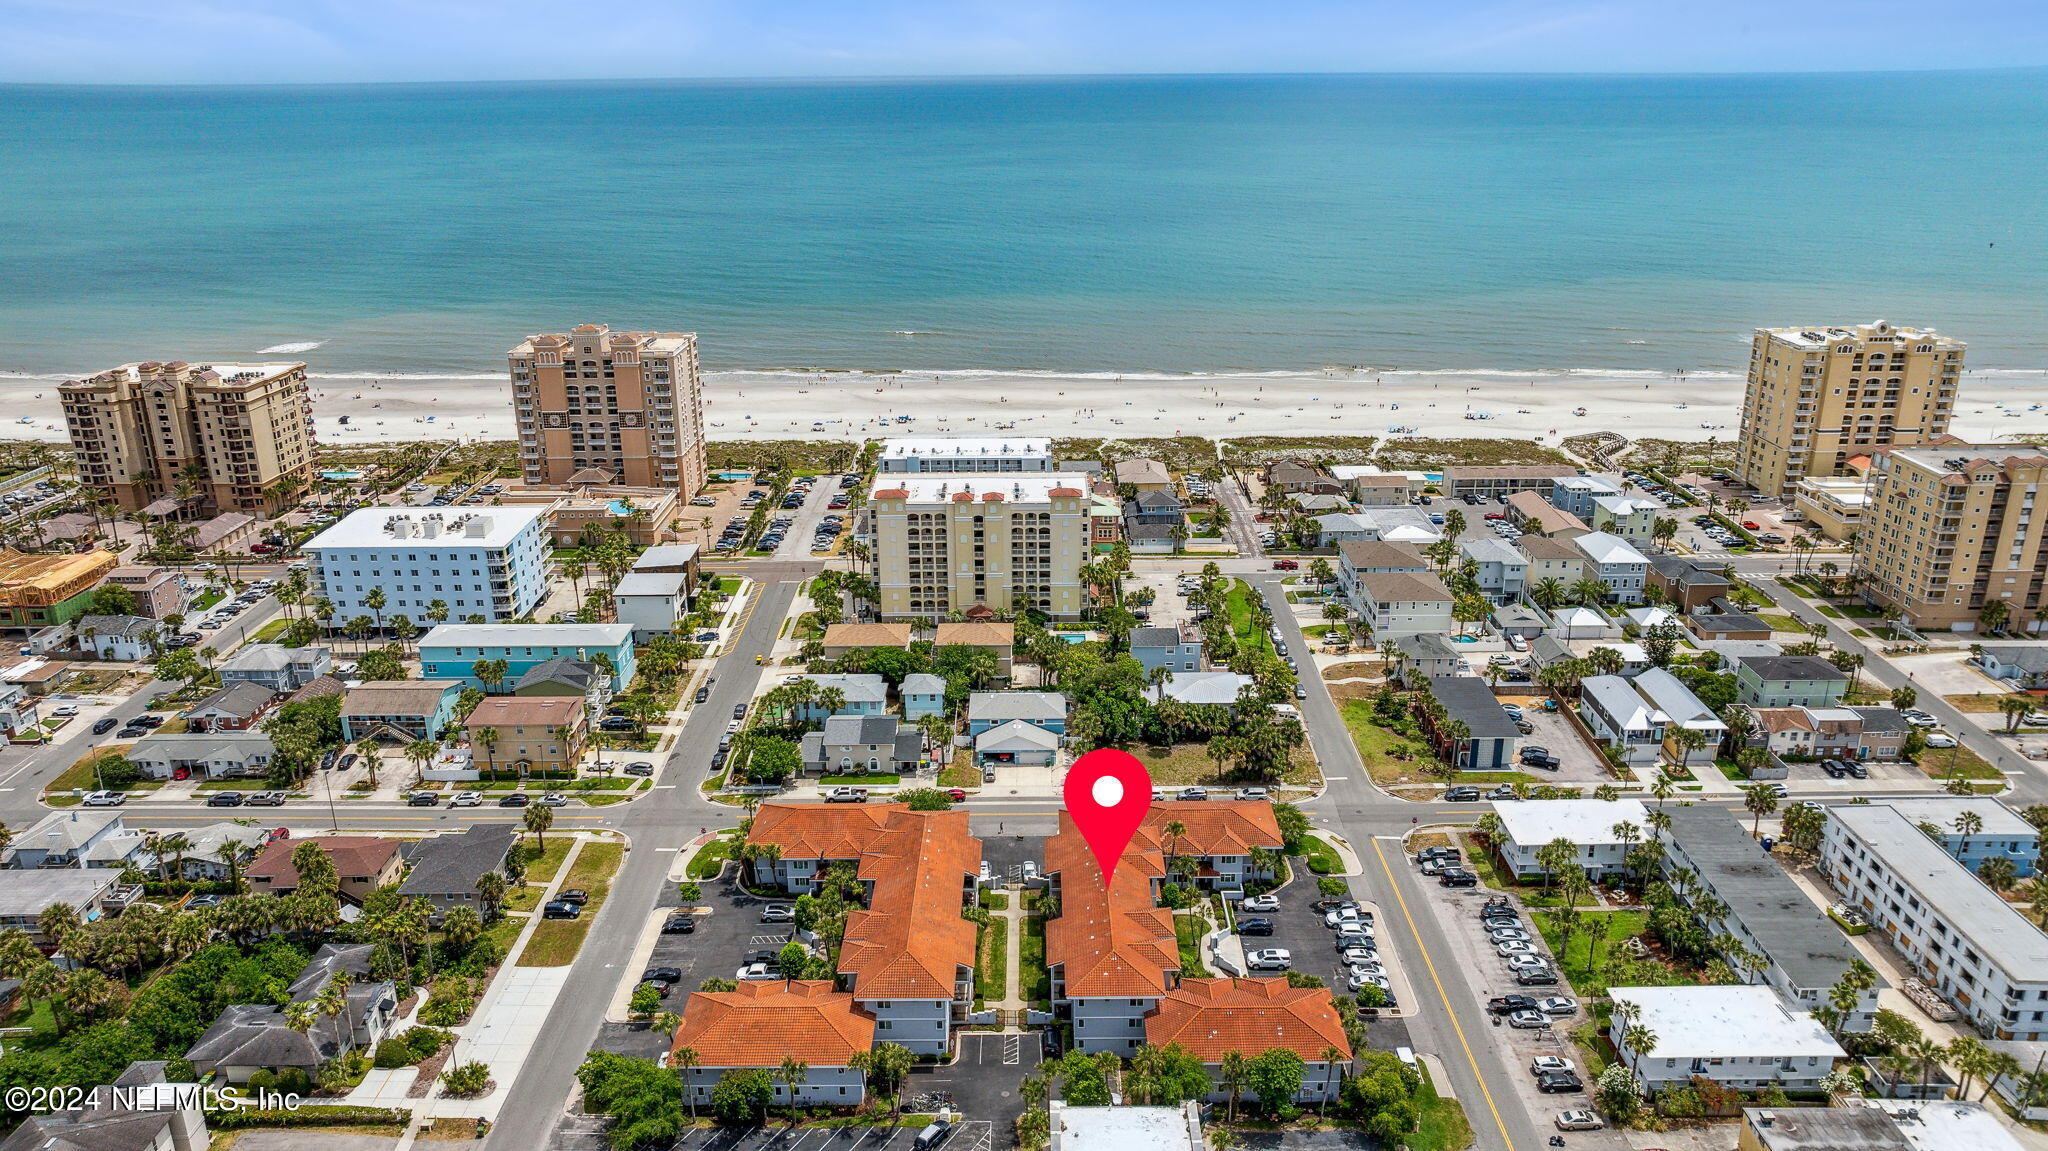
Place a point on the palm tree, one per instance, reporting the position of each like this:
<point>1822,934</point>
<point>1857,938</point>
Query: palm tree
<point>1233,1076</point>
<point>538,820</point>
<point>1761,800</point>
<point>792,1075</point>
<point>683,1059</point>
<point>488,737</point>
<point>490,887</point>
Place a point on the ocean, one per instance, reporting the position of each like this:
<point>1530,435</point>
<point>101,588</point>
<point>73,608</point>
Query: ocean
<point>1164,225</point>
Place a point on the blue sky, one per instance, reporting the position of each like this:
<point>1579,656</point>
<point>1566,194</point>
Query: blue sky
<point>266,41</point>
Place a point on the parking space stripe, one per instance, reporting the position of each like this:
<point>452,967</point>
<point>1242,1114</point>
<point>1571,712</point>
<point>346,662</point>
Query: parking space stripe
<point>1450,1013</point>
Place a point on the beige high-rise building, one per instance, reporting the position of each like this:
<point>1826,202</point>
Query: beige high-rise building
<point>951,542</point>
<point>1818,397</point>
<point>233,437</point>
<point>1948,529</point>
<point>630,404</point>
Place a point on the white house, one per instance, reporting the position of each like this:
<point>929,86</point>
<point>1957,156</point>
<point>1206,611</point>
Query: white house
<point>1621,718</point>
<point>1680,707</point>
<point>1744,1036</point>
<point>653,602</point>
<point>1529,825</point>
<point>210,755</point>
<point>1611,560</point>
<point>1631,519</point>
<point>1501,569</point>
<point>123,638</point>
<point>1397,604</point>
<point>489,562</point>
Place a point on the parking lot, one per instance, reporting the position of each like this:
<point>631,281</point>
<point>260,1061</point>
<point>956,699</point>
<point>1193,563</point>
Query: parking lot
<point>1581,763</point>
<point>1298,928</point>
<point>582,1133</point>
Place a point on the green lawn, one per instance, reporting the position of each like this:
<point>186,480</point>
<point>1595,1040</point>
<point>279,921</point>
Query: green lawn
<point>1034,978</point>
<point>1238,603</point>
<point>712,856</point>
<point>1377,745</point>
<point>556,941</point>
<point>993,970</point>
<point>879,778</point>
<point>1322,858</point>
<point>1595,958</point>
<point>1779,621</point>
<point>1442,1124</point>
<point>1188,929</point>
<point>206,599</point>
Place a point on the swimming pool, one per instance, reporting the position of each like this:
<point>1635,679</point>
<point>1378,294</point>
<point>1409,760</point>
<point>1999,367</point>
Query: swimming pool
<point>1464,639</point>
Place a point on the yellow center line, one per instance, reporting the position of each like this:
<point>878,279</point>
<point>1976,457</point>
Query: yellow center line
<point>1449,1013</point>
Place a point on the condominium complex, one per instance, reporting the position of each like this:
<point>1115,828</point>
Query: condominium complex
<point>489,563</point>
<point>961,454</point>
<point>185,440</point>
<point>1817,397</point>
<point>1945,534</point>
<point>953,542</point>
<point>610,407</point>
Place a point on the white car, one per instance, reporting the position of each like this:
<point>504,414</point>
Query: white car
<point>1919,718</point>
<point>1352,955</point>
<point>466,799</point>
<point>1543,1063</point>
<point>1940,739</point>
<point>1261,903</point>
<point>2035,719</point>
<point>1516,947</point>
<point>778,913</point>
<point>1356,981</point>
<point>1270,959</point>
<point>1508,935</point>
<point>1526,962</point>
<point>1557,1005</point>
<point>1578,1121</point>
<point>104,799</point>
<point>757,971</point>
<point>1343,917</point>
<point>1518,643</point>
<point>65,712</point>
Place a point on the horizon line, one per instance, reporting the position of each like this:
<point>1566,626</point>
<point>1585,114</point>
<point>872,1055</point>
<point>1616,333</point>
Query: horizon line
<point>1012,77</point>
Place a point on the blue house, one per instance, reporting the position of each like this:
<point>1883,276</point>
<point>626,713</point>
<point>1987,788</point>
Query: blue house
<point>1175,649</point>
<point>866,694</point>
<point>452,649</point>
<point>401,709</point>
<point>987,709</point>
<point>923,694</point>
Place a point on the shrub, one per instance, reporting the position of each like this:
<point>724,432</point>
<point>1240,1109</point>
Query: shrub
<point>393,1054</point>
<point>1331,887</point>
<point>262,1079</point>
<point>646,1000</point>
<point>426,1041</point>
<point>468,1080</point>
<point>318,1115</point>
<point>294,1081</point>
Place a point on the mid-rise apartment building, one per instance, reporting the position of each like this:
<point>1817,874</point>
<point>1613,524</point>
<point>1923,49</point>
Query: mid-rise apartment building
<point>1818,396</point>
<point>629,405</point>
<point>1111,949</point>
<point>190,440</point>
<point>955,541</point>
<point>967,454</point>
<point>490,563</point>
<point>1945,535</point>
<point>1954,932</point>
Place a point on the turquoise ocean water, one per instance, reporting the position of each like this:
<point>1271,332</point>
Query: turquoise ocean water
<point>1171,224</point>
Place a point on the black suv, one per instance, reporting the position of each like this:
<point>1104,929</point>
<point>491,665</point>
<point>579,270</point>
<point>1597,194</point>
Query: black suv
<point>1462,795</point>
<point>1509,1004</point>
<point>680,923</point>
<point>1559,1083</point>
<point>1459,878</point>
<point>1255,927</point>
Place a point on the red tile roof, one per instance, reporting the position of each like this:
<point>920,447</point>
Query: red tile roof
<point>764,1021</point>
<point>1115,941</point>
<point>1209,1017</point>
<point>1231,827</point>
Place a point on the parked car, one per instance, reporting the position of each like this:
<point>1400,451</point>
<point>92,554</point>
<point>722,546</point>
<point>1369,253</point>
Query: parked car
<point>639,767</point>
<point>1255,927</point>
<point>1544,976</point>
<point>1559,1083</point>
<point>224,799</point>
<point>778,913</point>
<point>104,799</point>
<point>679,923</point>
<point>574,895</point>
<point>515,799</point>
<point>1558,1005</point>
<point>466,799</point>
<point>1939,739</point>
<point>553,799</point>
<point>1528,1020</point>
<point>1192,794</point>
<point>670,975</point>
<point>1462,795</point>
<point>266,799</point>
<point>1505,1004</point>
<point>1261,903</point>
<point>1458,879</point>
<point>560,910</point>
<point>105,725</point>
<point>1270,959</point>
<point>423,799</point>
<point>1579,1120</point>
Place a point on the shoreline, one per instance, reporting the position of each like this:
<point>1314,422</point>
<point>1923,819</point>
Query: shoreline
<point>848,405</point>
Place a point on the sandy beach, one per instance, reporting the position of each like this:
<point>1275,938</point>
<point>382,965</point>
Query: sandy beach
<point>1539,406</point>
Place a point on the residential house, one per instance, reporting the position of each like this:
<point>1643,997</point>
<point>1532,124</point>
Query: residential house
<point>1745,1037</point>
<point>1535,516</point>
<point>1153,507</point>
<point>860,693</point>
<point>445,869</point>
<point>1729,625</point>
<point>1317,503</point>
<point>1502,571</point>
<point>124,638</point>
<point>1611,560</point>
<point>1111,949</point>
<point>1830,732</point>
<point>853,744</point>
<point>670,558</point>
<point>987,709</point>
<point>760,1023</point>
<point>1588,824</point>
<point>1291,476</point>
<point>2026,664</point>
<point>1682,710</point>
<point>1645,618</point>
<point>1622,719</point>
<point>226,533</point>
<point>1632,519</point>
<point>1803,954</point>
<point>1231,842</point>
<point>653,603</point>
<point>91,892</point>
<point>75,837</point>
<point>841,638</point>
<point>113,1117</point>
<point>1409,525</point>
<point>528,734</point>
<point>575,678</point>
<point>236,707</point>
<point>1016,742</point>
<point>1175,649</point>
<point>18,709</point>
<point>1385,490</point>
<point>251,1037</point>
<point>1427,654</point>
<point>1201,688</point>
<point>272,665</point>
<point>1489,738</point>
<point>1143,475</point>
<point>1687,584</point>
<point>207,755</point>
<point>362,863</point>
<point>996,638</point>
<point>923,694</point>
<point>402,709</point>
<point>451,651</point>
<point>205,856</point>
<point>1493,482</point>
<point>1583,623</point>
<point>1396,605</point>
<point>1575,494</point>
<point>1550,558</point>
<point>158,591</point>
<point>1789,680</point>
<point>908,957</point>
<point>1356,559</point>
<point>1211,1018</point>
<point>1517,619</point>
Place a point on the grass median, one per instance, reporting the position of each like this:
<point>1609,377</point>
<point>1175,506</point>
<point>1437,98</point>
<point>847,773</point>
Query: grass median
<point>556,941</point>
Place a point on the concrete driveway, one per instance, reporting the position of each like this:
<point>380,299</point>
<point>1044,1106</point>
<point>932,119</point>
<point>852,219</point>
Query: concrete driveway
<point>1583,764</point>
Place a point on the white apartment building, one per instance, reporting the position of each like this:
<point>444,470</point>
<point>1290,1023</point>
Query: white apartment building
<point>1741,1036</point>
<point>1530,825</point>
<point>1959,936</point>
<point>966,454</point>
<point>953,541</point>
<point>490,562</point>
<point>1611,560</point>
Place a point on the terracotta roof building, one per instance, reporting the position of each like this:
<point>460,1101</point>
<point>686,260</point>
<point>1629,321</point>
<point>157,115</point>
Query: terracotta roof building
<point>1212,1017</point>
<point>1112,949</point>
<point>761,1022</point>
<point>1000,638</point>
<point>1221,837</point>
<point>841,638</point>
<point>528,733</point>
<point>363,864</point>
<point>908,956</point>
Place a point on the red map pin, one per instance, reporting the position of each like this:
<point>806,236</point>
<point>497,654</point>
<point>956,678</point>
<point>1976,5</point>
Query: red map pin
<point>1107,793</point>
